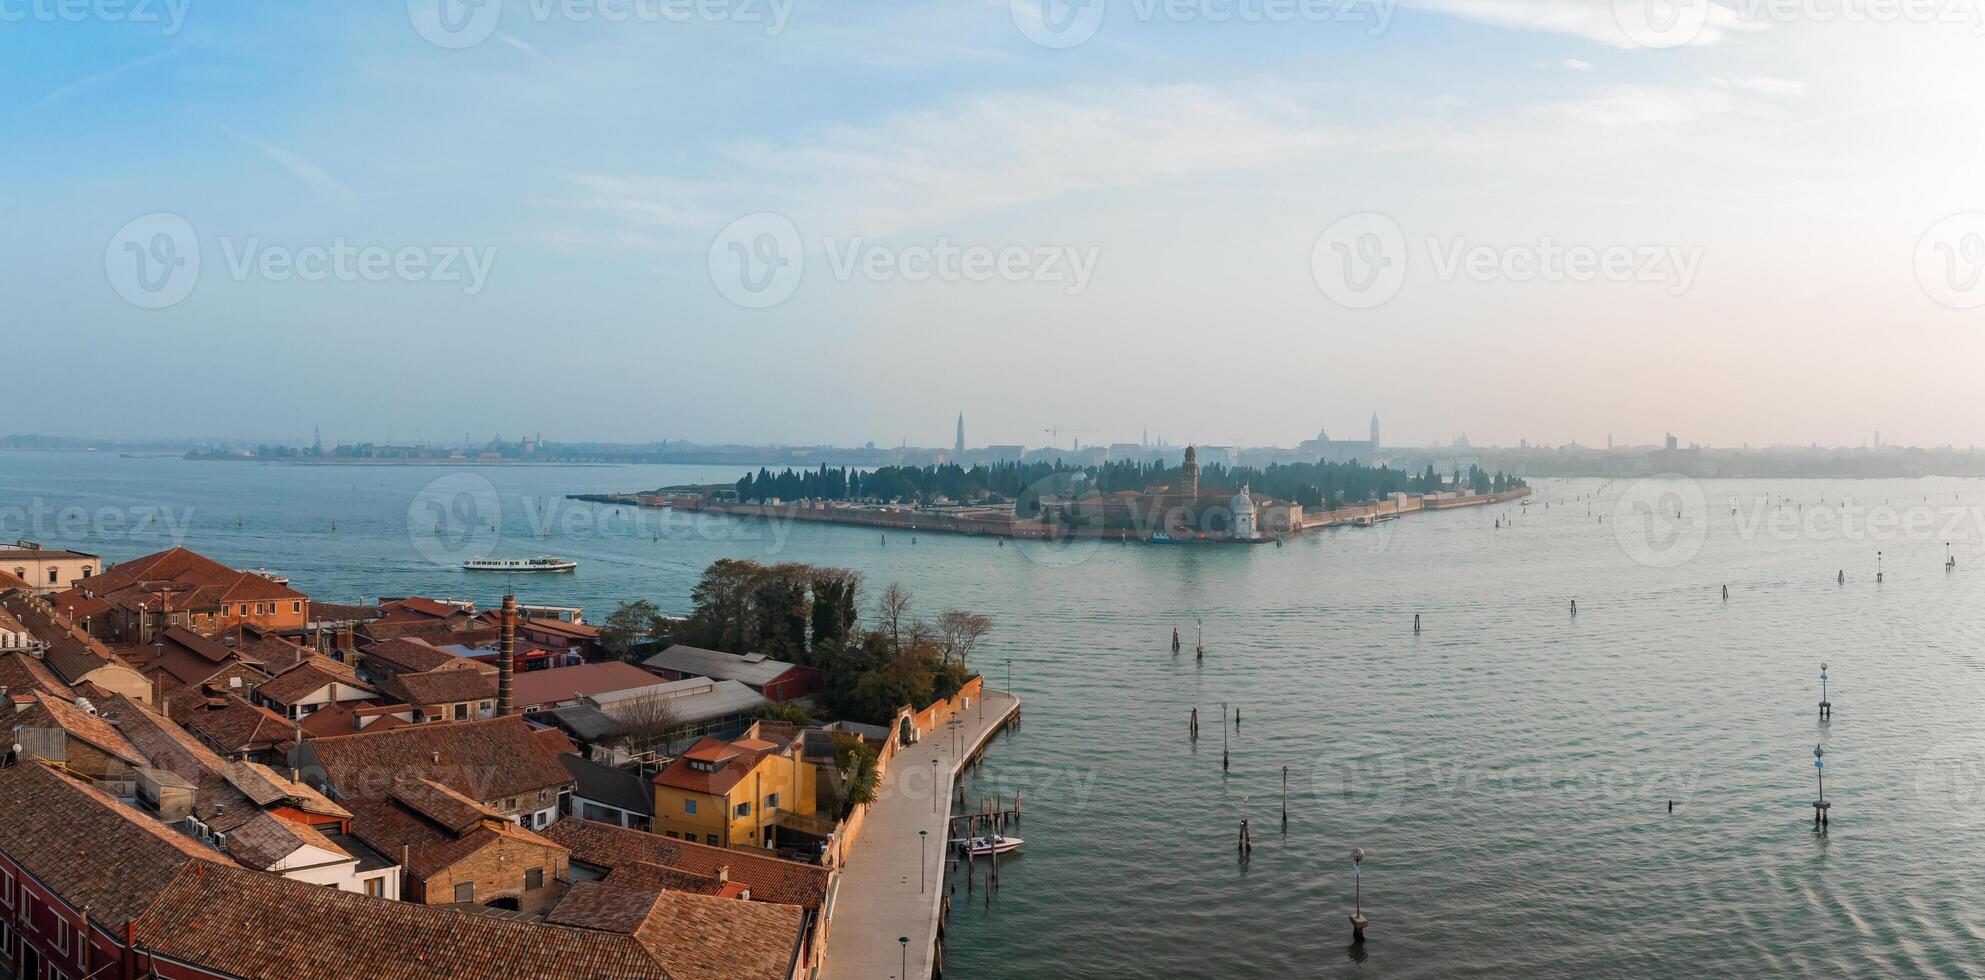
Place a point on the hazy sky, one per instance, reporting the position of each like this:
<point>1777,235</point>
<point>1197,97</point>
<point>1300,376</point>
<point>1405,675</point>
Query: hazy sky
<point>545,190</point>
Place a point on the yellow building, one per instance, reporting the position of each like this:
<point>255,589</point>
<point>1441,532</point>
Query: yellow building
<point>733,794</point>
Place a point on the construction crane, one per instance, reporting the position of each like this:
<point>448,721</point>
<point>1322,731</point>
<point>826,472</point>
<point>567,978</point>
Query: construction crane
<point>1054,434</point>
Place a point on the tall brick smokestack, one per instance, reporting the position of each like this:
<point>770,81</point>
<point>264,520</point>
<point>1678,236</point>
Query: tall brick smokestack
<point>506,661</point>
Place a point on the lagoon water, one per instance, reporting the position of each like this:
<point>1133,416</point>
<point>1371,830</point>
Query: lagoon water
<point>1508,770</point>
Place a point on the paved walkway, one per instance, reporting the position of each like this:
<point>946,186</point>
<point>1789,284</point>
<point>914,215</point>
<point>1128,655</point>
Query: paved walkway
<point>879,898</point>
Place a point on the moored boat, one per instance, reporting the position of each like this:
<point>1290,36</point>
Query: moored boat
<point>987,846</point>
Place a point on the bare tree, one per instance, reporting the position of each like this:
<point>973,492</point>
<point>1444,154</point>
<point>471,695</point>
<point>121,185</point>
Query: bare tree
<point>891,610</point>
<point>648,725</point>
<point>959,633</point>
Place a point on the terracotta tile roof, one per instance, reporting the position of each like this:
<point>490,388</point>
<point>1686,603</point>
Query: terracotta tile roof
<point>72,653</point>
<point>332,612</point>
<point>707,936</point>
<point>187,580</point>
<point>405,656</point>
<point>484,760</point>
<point>732,762</point>
<point>560,684</point>
<point>22,674</point>
<point>29,554</point>
<point>88,847</point>
<point>252,642</point>
<point>609,908</point>
<point>54,712</point>
<point>450,810</point>
<point>422,607</point>
<point>8,580</point>
<point>578,631</point>
<point>250,925</point>
<point>770,879</point>
<point>308,677</point>
<point>193,905</point>
<point>239,727</point>
<point>397,827</point>
<point>440,687</point>
<point>337,719</point>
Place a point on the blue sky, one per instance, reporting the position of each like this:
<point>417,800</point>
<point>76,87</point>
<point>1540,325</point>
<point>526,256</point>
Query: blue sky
<point>1801,166</point>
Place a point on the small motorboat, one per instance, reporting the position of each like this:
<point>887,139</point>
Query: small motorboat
<point>988,846</point>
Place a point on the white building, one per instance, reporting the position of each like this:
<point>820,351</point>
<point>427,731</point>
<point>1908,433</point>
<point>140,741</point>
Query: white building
<point>1247,525</point>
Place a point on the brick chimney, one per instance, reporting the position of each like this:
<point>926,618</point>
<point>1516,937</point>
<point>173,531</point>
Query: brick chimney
<point>506,658</point>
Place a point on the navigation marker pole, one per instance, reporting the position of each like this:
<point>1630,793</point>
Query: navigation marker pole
<point>1820,806</point>
<point>1358,920</point>
<point>1826,707</point>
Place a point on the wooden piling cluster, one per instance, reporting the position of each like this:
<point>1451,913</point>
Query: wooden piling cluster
<point>990,820</point>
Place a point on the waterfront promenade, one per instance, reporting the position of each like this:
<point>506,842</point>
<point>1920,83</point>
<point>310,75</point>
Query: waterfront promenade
<point>879,899</point>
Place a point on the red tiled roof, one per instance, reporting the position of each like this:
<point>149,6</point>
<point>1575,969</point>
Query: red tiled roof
<point>405,656</point>
<point>186,579</point>
<point>308,677</point>
<point>484,760</point>
<point>54,712</point>
<point>240,727</point>
<point>90,848</point>
<point>733,763</point>
<point>8,580</point>
<point>440,687</point>
<point>770,879</point>
<point>559,684</point>
<point>23,674</point>
<point>71,653</point>
<point>191,904</point>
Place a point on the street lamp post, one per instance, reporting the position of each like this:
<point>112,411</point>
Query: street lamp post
<point>923,840</point>
<point>904,941</point>
<point>933,785</point>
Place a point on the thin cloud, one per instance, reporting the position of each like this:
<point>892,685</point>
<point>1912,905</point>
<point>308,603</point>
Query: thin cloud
<point>105,77</point>
<point>1576,65</point>
<point>1763,86</point>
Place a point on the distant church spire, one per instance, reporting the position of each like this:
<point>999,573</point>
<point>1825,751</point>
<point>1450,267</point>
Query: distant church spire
<point>961,434</point>
<point>1189,479</point>
<point>1374,430</point>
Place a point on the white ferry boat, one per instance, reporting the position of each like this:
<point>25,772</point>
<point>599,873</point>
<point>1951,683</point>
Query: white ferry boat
<point>542,563</point>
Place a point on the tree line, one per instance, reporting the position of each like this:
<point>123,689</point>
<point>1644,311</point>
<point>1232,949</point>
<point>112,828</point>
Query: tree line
<point>1319,485</point>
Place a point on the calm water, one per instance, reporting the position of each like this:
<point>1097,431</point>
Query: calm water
<point>1507,770</point>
